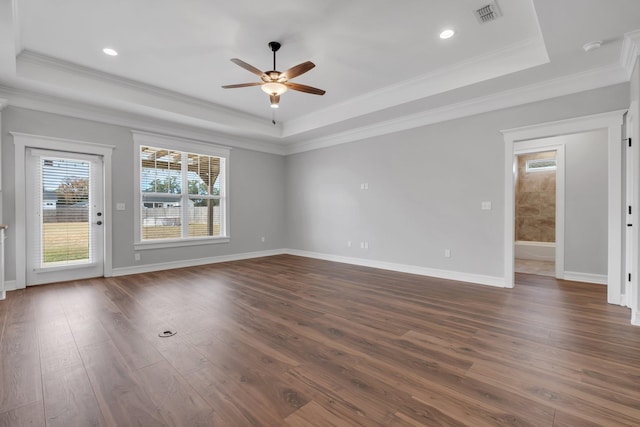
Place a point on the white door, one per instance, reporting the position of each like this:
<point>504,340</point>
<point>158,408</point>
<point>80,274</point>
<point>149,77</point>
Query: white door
<point>64,216</point>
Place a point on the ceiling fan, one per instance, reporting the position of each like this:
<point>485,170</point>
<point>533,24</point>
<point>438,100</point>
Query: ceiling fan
<point>275,83</point>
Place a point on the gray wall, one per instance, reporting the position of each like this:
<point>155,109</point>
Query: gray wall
<point>425,189</point>
<point>256,191</point>
<point>586,201</point>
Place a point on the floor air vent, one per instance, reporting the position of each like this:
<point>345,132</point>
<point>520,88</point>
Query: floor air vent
<point>488,13</point>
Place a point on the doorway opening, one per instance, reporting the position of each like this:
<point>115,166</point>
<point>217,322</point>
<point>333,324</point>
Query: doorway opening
<point>523,138</point>
<point>535,213</point>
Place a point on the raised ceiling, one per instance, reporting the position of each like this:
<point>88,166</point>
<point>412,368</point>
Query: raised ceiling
<point>378,60</point>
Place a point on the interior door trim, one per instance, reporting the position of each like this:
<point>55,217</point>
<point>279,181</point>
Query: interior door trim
<point>612,122</point>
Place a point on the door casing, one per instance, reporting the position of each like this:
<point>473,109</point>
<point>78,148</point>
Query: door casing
<point>21,142</point>
<point>612,121</point>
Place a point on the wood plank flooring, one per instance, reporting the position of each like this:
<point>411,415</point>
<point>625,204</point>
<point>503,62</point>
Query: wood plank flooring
<point>291,341</point>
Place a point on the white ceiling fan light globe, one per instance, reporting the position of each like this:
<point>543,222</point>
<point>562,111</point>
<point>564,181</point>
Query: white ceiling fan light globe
<point>274,88</point>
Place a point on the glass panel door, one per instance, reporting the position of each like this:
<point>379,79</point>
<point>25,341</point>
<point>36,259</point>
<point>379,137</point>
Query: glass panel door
<point>65,216</point>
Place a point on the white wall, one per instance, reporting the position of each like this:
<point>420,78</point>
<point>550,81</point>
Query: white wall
<point>425,189</point>
<point>256,191</point>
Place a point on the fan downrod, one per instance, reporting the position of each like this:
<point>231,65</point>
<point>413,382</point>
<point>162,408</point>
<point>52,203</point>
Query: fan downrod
<point>274,48</point>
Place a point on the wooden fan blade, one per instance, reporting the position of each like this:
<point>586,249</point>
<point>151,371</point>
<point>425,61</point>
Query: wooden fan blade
<point>242,85</point>
<point>304,88</point>
<point>250,68</point>
<point>298,70</point>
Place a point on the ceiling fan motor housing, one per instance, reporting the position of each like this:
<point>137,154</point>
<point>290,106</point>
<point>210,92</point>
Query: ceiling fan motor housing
<point>275,46</point>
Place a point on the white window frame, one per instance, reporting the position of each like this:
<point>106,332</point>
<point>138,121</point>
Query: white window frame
<point>143,139</point>
<point>530,165</point>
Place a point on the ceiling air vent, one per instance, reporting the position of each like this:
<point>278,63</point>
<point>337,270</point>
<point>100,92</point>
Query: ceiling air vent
<point>488,13</point>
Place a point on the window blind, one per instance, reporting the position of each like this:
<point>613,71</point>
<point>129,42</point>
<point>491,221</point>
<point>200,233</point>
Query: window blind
<point>182,194</point>
<point>63,200</point>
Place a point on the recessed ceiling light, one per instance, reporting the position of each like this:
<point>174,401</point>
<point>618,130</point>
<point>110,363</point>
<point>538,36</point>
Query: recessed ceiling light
<point>592,46</point>
<point>447,34</point>
<point>110,52</point>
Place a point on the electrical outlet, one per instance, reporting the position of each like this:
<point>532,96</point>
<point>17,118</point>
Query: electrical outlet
<point>136,257</point>
<point>348,243</point>
<point>485,206</point>
<point>262,239</point>
<point>120,207</point>
<point>447,253</point>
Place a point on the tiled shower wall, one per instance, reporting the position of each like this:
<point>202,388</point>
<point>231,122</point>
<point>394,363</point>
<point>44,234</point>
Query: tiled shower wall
<point>536,201</point>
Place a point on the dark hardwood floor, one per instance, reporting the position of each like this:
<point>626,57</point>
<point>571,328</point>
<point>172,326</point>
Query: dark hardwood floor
<point>290,341</point>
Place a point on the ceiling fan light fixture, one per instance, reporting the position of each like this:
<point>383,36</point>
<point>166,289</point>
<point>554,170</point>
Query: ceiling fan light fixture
<point>274,88</point>
<point>274,83</point>
<point>275,100</point>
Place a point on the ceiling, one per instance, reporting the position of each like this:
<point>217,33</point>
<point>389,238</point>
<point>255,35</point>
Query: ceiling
<point>379,62</point>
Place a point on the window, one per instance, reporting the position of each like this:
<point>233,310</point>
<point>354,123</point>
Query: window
<point>181,190</point>
<point>539,165</point>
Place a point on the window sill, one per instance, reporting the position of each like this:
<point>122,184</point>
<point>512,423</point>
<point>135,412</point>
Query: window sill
<point>141,246</point>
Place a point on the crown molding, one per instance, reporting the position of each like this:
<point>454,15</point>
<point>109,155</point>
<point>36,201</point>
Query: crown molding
<point>31,95</point>
<point>512,58</point>
<point>515,57</point>
<point>591,79</point>
<point>630,51</point>
<point>574,83</point>
<point>61,106</point>
<point>86,84</point>
<point>51,63</point>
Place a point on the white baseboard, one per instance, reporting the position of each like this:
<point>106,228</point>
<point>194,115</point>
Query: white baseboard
<point>480,279</point>
<point>600,279</point>
<point>147,268</point>
<point>405,268</point>
<point>10,285</point>
<point>540,251</point>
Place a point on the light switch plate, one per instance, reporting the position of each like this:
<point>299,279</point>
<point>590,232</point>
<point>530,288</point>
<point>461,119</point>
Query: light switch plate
<point>485,206</point>
<point>120,207</point>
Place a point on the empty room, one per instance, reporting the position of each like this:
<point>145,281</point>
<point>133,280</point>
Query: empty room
<point>303,213</point>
